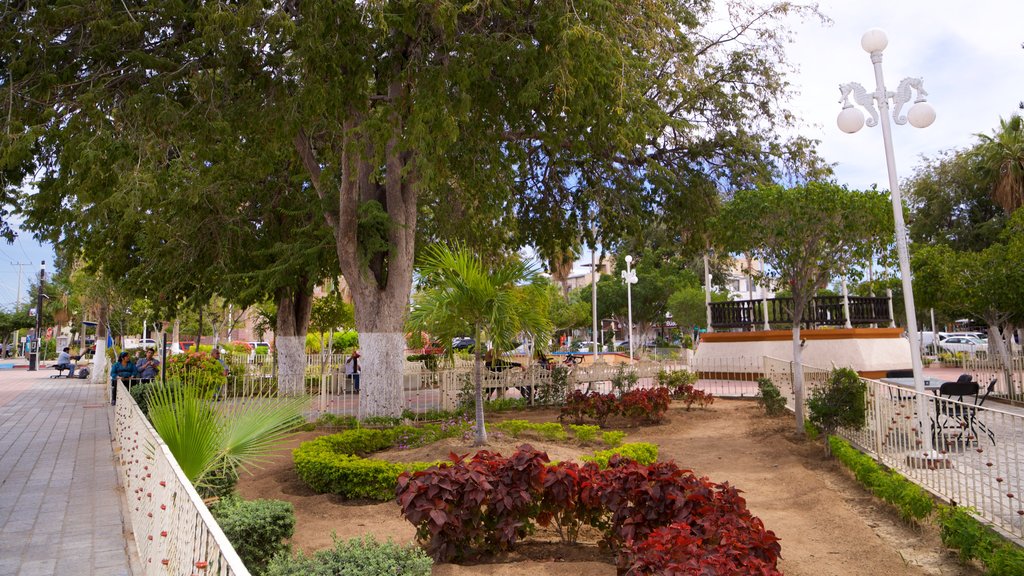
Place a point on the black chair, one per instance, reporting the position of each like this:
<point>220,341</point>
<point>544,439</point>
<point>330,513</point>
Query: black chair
<point>61,368</point>
<point>899,374</point>
<point>952,412</point>
<point>895,393</point>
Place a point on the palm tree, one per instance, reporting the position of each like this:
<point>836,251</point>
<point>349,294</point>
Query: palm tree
<point>1002,158</point>
<point>211,440</point>
<point>461,295</point>
<point>560,267</point>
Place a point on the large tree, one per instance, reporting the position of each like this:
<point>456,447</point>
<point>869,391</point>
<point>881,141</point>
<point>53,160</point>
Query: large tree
<point>544,116</point>
<point>806,236</point>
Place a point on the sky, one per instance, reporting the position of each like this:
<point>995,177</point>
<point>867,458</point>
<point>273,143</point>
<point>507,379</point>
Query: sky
<point>968,53</point>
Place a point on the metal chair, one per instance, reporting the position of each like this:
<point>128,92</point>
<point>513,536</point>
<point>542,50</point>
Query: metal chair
<point>951,412</point>
<point>976,423</point>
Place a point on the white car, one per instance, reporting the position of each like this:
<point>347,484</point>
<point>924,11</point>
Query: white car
<point>968,344</point>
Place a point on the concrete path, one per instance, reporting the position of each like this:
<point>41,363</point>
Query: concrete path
<point>60,503</point>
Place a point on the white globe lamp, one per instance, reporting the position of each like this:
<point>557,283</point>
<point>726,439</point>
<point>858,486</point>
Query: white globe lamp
<point>921,115</point>
<point>874,40</point>
<point>850,120</point>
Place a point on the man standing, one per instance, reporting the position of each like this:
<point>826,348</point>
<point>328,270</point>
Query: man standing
<point>148,367</point>
<point>352,370</point>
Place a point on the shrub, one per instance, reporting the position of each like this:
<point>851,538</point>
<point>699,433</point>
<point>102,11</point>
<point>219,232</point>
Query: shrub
<point>557,390</point>
<point>613,438</point>
<point>563,503</point>
<point>839,402</point>
<point>973,540</point>
<point>198,368</point>
<point>642,452</point>
<point>640,499</point>
<point>910,499</point>
<point>715,544</point>
<point>482,505</point>
<point>676,378</point>
<point>624,380</point>
<point>337,421</point>
<point>690,396</point>
<point>357,557</point>
<point>333,464</point>
<point>256,528</point>
<point>584,432</point>
<point>770,397</point>
<point>645,405</point>
<point>549,431</point>
<point>505,404</point>
<point>594,405</point>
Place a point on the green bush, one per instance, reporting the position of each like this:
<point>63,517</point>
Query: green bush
<point>505,404</point>
<point>196,368</point>
<point>552,431</point>
<point>337,421</point>
<point>342,341</point>
<point>973,540</point>
<point>644,453</point>
<point>839,402</point>
<point>910,499</point>
<point>613,438</point>
<point>356,557</point>
<point>256,528</point>
<point>770,398</point>
<point>585,432</point>
<point>334,463</point>
<point>676,378</point>
<point>624,380</point>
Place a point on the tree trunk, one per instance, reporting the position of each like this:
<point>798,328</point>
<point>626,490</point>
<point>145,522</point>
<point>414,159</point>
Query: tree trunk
<point>382,342</point>
<point>798,376</point>
<point>176,333</point>
<point>799,304</point>
<point>481,431</point>
<point>995,338</point>
<point>99,359</point>
<point>293,308</point>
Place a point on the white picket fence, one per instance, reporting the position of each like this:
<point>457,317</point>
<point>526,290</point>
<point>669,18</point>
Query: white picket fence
<point>174,531</point>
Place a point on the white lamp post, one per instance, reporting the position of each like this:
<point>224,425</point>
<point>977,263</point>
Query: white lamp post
<point>629,277</point>
<point>920,115</point>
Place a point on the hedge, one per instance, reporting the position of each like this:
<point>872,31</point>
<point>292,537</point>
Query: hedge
<point>356,557</point>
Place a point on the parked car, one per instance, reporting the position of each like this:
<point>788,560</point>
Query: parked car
<point>463,343</point>
<point>136,343</point>
<point>968,344</point>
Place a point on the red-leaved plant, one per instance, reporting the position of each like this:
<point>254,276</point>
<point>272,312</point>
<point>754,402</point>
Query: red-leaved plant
<point>645,404</point>
<point>595,406</point>
<point>690,396</point>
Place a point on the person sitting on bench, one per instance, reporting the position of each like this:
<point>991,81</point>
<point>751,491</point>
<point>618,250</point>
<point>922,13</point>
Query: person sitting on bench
<point>64,362</point>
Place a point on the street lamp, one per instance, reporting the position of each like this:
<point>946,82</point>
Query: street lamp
<point>629,277</point>
<point>920,115</point>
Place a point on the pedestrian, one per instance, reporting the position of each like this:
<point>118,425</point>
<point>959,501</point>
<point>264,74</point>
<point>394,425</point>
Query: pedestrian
<point>148,367</point>
<point>124,369</point>
<point>215,354</point>
<point>352,370</point>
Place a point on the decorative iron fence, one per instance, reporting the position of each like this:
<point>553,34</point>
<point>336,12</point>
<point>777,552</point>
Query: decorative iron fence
<point>174,531</point>
<point>821,311</point>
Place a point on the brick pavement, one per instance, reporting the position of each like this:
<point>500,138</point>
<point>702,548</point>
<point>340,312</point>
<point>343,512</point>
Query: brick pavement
<point>60,503</point>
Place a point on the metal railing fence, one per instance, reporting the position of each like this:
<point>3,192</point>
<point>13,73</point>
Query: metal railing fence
<point>1009,385</point>
<point>174,531</point>
<point>980,450</point>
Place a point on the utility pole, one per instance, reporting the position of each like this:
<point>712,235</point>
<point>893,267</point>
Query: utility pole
<point>17,295</point>
<point>33,357</point>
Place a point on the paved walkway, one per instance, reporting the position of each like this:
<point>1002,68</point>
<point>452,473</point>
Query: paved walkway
<point>60,503</point>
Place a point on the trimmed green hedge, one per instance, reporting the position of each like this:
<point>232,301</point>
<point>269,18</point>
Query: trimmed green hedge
<point>644,453</point>
<point>909,498</point>
<point>961,531</point>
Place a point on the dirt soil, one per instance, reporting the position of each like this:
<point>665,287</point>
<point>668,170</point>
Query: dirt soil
<point>828,524</point>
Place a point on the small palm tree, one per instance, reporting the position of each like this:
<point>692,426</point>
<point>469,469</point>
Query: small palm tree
<point>461,295</point>
<point>211,440</point>
<point>1002,158</point>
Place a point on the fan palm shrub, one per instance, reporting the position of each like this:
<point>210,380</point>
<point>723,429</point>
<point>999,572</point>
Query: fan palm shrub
<point>212,440</point>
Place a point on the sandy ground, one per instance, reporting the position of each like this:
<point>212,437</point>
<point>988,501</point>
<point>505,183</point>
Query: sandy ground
<point>828,525</point>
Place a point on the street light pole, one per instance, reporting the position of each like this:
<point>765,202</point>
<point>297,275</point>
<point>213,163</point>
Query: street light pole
<point>629,276</point>
<point>33,355</point>
<point>920,115</point>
